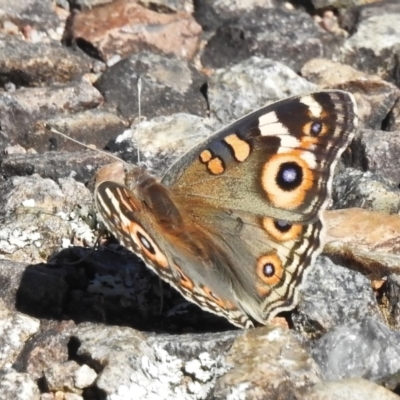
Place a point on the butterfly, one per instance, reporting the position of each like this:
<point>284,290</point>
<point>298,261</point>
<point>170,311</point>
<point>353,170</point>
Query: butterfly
<point>235,224</point>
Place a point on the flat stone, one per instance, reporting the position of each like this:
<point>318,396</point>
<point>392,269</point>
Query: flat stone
<point>168,85</point>
<point>373,47</point>
<point>119,29</point>
<point>37,64</point>
<point>24,112</point>
<point>288,36</point>
<point>369,239</point>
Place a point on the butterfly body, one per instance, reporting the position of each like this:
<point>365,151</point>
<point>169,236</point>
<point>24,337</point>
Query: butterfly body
<point>235,224</point>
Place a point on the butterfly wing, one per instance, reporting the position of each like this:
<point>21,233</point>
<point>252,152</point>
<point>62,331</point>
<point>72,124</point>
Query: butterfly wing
<point>278,160</point>
<point>237,225</point>
<point>145,218</point>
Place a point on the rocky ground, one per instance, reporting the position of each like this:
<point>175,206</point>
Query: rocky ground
<point>77,323</point>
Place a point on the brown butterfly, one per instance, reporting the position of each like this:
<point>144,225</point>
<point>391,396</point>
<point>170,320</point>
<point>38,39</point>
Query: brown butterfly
<point>235,224</point>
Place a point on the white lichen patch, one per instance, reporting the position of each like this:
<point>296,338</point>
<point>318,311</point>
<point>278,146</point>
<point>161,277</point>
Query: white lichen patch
<point>12,240</point>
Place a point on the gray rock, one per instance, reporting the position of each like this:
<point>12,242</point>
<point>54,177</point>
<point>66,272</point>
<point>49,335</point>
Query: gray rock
<point>211,14</point>
<point>24,111</point>
<point>378,152</point>
<point>131,365</point>
<point>371,191</point>
<point>393,296</point>
<point>41,216</point>
<point>336,3</point>
<point>35,13</point>
<point>169,85</point>
<point>333,295</point>
<point>48,63</point>
<point>393,120</point>
<point>15,330</point>
<point>351,17</point>
<point>18,386</point>
<point>291,37</point>
<point>233,92</point>
<point>10,278</point>
<point>374,45</point>
<point>54,165</point>
<point>367,349</point>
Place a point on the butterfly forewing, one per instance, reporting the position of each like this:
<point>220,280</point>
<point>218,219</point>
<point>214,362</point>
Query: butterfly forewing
<point>278,160</point>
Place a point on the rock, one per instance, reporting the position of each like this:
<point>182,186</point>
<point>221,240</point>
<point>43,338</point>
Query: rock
<point>338,3</point>
<point>233,92</point>
<point>369,239</point>
<point>169,85</point>
<point>18,386</point>
<point>377,151</point>
<point>288,36</point>
<point>367,349</point>
<point>35,13</point>
<point>53,165</point>
<point>39,213</point>
<point>15,330</point>
<point>393,119</point>
<point>84,377</point>
<point>24,112</point>
<point>38,64</point>
<point>10,278</point>
<point>392,293</point>
<point>120,29</point>
<point>372,48</point>
<point>375,97</point>
<point>161,364</point>
<point>211,14</point>
<point>372,191</point>
<point>259,358</point>
<point>49,348</point>
<point>351,17</point>
<point>91,127</point>
<point>333,295</point>
<point>61,377</point>
<point>138,368</point>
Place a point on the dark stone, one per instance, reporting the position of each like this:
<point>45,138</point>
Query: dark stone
<point>169,85</point>
<point>290,37</point>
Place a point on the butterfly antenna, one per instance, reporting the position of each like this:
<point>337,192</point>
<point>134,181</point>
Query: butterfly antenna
<point>51,129</point>
<point>100,234</point>
<point>139,89</point>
